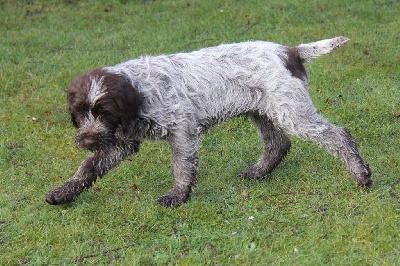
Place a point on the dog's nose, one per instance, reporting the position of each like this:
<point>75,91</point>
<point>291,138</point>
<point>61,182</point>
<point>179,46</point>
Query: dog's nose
<point>89,143</point>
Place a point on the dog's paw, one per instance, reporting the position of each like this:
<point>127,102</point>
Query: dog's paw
<point>65,193</point>
<point>363,178</point>
<point>365,182</point>
<point>252,173</point>
<point>170,201</point>
<point>57,196</point>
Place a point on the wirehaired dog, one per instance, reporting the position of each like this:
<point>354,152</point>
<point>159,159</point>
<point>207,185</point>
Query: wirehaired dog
<point>177,97</point>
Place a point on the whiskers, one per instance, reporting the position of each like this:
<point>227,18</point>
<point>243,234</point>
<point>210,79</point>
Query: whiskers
<point>94,135</point>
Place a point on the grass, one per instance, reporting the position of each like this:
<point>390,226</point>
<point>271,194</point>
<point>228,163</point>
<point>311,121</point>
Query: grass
<point>308,212</point>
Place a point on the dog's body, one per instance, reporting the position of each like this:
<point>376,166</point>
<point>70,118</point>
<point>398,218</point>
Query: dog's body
<point>176,97</point>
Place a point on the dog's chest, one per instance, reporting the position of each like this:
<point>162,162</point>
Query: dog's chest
<point>144,128</point>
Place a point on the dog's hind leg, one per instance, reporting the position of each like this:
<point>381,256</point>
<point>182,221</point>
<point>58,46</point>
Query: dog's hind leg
<point>339,141</point>
<point>276,146</point>
<point>303,121</point>
<point>184,146</point>
<point>97,164</point>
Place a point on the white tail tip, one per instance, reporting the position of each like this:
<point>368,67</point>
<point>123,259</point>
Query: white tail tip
<point>318,48</point>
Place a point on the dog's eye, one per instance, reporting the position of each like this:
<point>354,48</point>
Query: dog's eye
<point>83,107</point>
<point>96,110</point>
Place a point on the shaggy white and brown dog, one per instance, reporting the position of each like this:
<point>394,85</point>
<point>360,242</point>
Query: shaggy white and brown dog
<point>177,97</point>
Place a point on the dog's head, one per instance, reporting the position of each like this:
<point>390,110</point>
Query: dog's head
<point>99,103</point>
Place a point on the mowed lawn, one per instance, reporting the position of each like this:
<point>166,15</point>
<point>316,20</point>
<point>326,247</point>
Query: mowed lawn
<point>307,212</point>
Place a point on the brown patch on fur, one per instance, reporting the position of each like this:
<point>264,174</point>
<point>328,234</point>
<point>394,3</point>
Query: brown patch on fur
<point>120,104</point>
<point>78,103</point>
<point>294,63</point>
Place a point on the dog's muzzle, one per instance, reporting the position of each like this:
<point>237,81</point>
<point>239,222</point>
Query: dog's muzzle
<point>94,142</point>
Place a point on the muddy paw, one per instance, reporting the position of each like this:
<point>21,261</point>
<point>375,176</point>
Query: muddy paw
<point>364,178</point>
<point>65,193</point>
<point>169,201</point>
<point>252,173</point>
<point>56,196</point>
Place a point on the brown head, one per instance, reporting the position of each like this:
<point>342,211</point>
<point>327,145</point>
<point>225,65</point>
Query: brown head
<point>99,103</point>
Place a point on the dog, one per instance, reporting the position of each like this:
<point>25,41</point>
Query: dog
<point>177,97</point>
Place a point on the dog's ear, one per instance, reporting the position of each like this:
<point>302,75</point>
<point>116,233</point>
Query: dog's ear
<point>78,103</point>
<point>121,99</point>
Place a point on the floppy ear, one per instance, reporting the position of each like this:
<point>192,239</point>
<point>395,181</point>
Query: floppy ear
<point>127,100</point>
<point>78,103</point>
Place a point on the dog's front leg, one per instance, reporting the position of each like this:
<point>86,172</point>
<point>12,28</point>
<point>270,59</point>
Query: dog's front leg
<point>95,165</point>
<point>184,162</point>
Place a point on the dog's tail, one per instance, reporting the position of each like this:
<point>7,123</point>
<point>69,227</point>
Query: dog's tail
<point>315,49</point>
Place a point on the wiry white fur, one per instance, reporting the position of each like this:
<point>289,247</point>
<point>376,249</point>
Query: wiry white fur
<point>96,90</point>
<point>315,49</point>
<point>92,123</point>
<point>207,86</point>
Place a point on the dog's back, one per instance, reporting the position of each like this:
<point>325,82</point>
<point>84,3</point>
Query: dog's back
<point>209,82</point>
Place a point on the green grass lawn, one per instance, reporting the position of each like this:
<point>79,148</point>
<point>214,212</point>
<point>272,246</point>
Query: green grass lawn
<point>307,212</point>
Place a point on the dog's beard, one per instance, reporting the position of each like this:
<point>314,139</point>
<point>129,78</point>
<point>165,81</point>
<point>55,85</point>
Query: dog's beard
<point>94,135</point>
<point>95,141</point>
